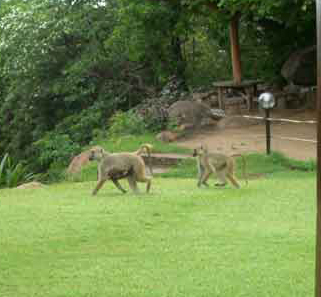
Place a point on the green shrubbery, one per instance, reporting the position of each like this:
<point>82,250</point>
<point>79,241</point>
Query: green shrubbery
<point>126,123</point>
<point>62,78</point>
<point>13,174</point>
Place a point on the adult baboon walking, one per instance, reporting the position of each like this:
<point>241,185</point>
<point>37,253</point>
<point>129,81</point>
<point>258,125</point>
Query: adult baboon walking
<point>115,166</point>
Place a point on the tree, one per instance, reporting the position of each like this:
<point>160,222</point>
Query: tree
<point>231,11</point>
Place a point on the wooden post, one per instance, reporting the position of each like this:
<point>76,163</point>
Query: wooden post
<point>318,226</point>
<point>235,49</point>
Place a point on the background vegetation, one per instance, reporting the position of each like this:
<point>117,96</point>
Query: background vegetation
<point>67,66</point>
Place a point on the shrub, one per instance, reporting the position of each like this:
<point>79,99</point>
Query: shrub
<point>125,123</point>
<point>13,174</point>
<point>55,149</point>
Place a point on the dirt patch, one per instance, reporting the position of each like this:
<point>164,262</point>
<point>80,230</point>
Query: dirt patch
<point>243,136</point>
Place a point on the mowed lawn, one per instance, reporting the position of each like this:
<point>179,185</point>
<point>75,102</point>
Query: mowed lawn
<point>176,241</point>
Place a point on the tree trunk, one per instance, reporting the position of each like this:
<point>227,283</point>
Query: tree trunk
<point>179,59</point>
<point>235,49</point>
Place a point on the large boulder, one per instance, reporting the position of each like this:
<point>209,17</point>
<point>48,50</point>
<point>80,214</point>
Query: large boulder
<point>301,67</point>
<point>187,112</point>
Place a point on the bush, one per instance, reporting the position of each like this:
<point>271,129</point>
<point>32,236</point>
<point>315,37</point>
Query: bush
<point>13,174</point>
<point>55,149</point>
<point>125,123</point>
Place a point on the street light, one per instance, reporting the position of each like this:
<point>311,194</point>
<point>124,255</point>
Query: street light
<point>266,101</point>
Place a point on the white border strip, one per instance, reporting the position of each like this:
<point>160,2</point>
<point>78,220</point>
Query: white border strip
<point>278,120</point>
<point>289,138</point>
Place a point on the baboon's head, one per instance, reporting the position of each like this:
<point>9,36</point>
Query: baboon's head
<point>195,153</point>
<point>96,153</point>
<point>200,151</point>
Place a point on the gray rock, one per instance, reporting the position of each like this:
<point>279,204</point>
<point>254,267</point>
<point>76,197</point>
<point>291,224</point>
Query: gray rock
<point>301,67</point>
<point>193,112</point>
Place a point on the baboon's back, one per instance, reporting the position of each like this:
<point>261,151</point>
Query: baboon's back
<point>124,161</point>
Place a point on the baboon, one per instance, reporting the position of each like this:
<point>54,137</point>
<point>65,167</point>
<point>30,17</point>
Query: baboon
<point>145,147</point>
<point>115,166</point>
<point>208,162</point>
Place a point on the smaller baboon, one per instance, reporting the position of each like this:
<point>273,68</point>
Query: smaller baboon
<point>117,166</point>
<point>208,162</point>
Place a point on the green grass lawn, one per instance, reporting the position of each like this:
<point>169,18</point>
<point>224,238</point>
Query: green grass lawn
<point>176,241</point>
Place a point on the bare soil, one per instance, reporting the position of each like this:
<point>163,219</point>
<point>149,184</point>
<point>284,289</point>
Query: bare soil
<point>239,135</point>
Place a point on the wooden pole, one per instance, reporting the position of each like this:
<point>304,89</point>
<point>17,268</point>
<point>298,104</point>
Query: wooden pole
<point>235,49</point>
<point>318,226</point>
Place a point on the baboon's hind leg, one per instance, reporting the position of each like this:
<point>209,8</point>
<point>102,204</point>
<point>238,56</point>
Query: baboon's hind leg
<point>133,184</point>
<point>118,185</point>
<point>146,180</point>
<point>149,182</point>
<point>233,180</point>
<point>98,186</point>
<point>221,175</point>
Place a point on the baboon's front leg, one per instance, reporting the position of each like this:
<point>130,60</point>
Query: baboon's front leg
<point>204,178</point>
<point>118,185</point>
<point>99,185</point>
<point>200,175</point>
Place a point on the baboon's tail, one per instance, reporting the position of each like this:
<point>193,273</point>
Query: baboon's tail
<point>244,173</point>
<point>148,148</point>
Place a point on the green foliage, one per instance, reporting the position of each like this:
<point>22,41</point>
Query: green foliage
<point>55,149</point>
<point>2,169</point>
<point>128,143</point>
<point>153,123</point>
<point>263,51</point>
<point>126,123</point>
<point>67,66</point>
<point>57,74</point>
<point>279,158</point>
<point>13,174</point>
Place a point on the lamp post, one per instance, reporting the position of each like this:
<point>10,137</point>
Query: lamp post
<point>266,101</point>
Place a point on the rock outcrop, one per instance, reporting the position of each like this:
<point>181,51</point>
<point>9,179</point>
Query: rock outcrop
<point>301,67</point>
